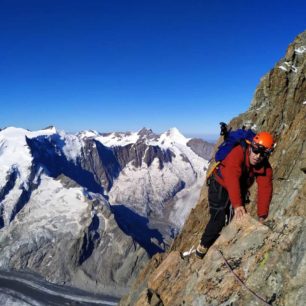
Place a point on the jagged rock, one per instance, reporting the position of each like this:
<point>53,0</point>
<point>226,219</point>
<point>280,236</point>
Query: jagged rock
<point>162,272</point>
<point>149,298</point>
<point>269,259</point>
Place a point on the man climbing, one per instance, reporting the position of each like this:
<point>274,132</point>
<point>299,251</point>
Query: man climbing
<point>229,184</point>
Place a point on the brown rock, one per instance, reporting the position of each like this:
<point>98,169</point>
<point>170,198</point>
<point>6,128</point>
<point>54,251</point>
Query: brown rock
<point>165,271</point>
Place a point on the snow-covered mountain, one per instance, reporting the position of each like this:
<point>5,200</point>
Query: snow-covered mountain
<point>157,169</point>
<point>86,208</point>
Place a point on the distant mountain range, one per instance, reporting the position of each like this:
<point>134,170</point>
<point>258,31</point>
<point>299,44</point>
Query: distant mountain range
<point>87,209</point>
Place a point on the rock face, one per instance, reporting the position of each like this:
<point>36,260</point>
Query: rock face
<point>201,147</point>
<point>269,259</point>
<point>76,208</point>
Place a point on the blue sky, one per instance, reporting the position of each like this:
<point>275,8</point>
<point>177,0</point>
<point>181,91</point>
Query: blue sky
<point>122,65</point>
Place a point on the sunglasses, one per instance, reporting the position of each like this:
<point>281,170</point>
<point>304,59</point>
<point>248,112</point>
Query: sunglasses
<point>259,149</point>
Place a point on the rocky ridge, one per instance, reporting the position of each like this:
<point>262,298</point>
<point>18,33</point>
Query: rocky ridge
<point>269,259</point>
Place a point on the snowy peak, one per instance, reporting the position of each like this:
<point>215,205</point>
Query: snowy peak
<point>14,151</point>
<point>118,139</point>
<point>147,136</point>
<point>20,133</point>
<point>87,134</point>
<point>176,136</point>
<point>50,128</point>
<point>174,131</point>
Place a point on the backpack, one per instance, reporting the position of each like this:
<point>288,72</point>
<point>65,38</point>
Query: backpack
<point>232,139</point>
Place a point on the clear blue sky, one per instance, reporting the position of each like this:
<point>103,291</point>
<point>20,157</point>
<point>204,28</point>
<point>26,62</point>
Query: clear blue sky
<point>121,65</point>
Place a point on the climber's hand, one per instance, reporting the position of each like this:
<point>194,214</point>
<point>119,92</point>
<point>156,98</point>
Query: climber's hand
<point>261,220</point>
<point>239,212</point>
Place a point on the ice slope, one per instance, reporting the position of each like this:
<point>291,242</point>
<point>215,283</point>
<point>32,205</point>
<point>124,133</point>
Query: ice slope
<point>52,212</point>
<point>14,152</point>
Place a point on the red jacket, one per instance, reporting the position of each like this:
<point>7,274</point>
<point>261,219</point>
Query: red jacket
<point>229,175</point>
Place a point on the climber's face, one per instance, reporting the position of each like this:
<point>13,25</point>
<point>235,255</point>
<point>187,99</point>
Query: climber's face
<point>255,158</point>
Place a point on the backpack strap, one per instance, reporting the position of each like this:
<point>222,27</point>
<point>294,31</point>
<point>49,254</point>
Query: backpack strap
<point>244,188</point>
<point>244,145</point>
<point>210,172</point>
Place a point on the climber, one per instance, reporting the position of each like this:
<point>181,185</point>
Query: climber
<point>229,183</point>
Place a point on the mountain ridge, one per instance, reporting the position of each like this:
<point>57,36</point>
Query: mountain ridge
<point>268,259</point>
<point>75,192</point>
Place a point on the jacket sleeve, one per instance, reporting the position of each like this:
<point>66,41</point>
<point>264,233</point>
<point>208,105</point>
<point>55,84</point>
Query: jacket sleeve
<point>231,173</point>
<point>265,189</point>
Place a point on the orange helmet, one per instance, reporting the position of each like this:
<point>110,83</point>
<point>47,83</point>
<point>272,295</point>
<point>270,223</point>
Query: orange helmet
<point>264,139</point>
